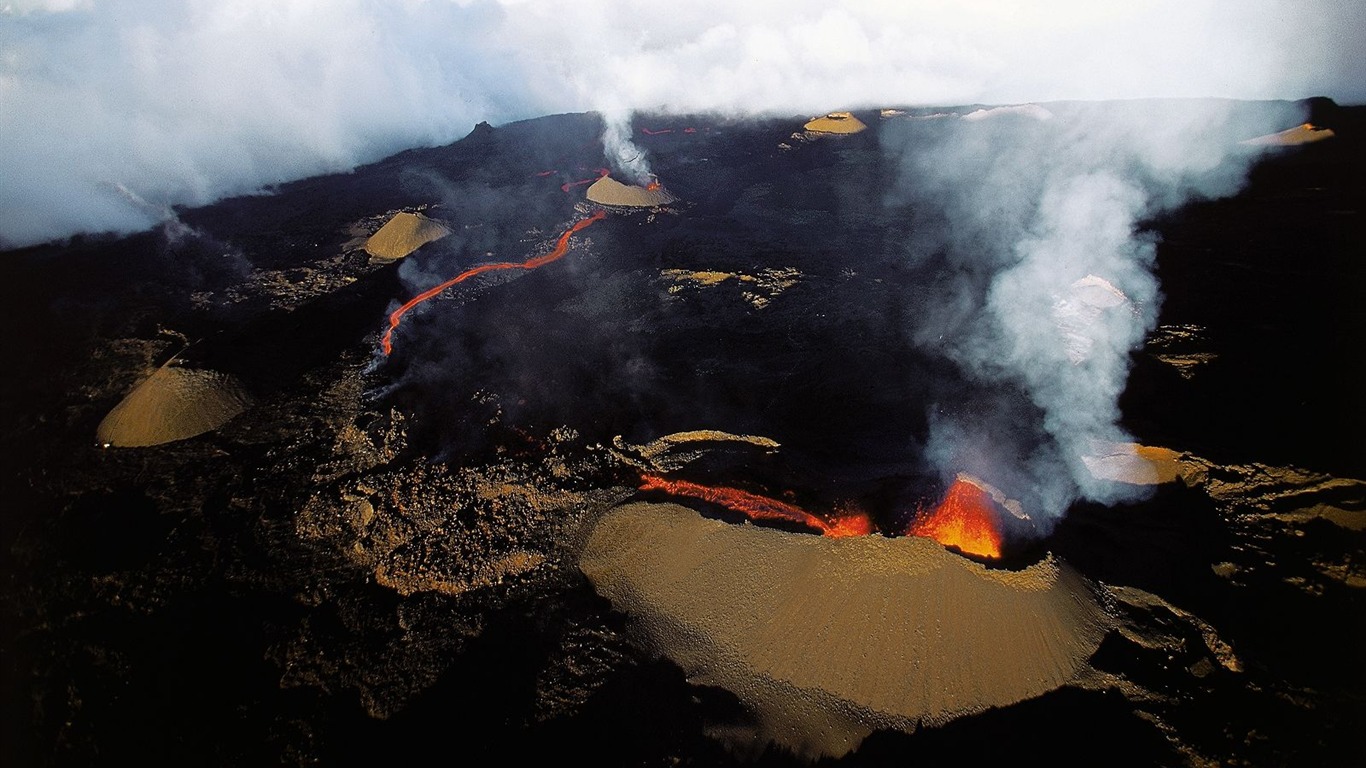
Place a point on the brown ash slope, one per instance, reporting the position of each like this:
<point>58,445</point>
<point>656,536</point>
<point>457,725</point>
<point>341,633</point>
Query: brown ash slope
<point>308,584</point>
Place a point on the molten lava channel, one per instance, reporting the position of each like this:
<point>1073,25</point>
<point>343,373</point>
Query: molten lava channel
<point>757,507</point>
<point>562,245</point>
<point>602,172</point>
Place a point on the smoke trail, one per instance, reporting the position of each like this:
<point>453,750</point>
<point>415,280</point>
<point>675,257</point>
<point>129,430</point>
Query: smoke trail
<point>1051,283</point>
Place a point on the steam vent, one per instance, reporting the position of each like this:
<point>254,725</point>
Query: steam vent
<point>824,639</point>
<point>403,234</point>
<point>609,191</point>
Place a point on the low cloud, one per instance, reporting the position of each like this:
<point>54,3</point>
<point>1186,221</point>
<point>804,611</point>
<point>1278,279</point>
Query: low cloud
<point>186,101</point>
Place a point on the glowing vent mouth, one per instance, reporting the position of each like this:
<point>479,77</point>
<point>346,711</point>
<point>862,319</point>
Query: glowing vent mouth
<point>966,520</point>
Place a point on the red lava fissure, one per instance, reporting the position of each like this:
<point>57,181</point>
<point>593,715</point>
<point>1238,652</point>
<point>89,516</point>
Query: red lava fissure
<point>757,507</point>
<point>539,261</point>
<point>965,519</point>
<point>569,185</point>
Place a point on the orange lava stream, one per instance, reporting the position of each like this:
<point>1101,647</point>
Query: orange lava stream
<point>757,507</point>
<point>964,520</point>
<point>539,261</point>
<point>570,184</point>
<point>649,132</point>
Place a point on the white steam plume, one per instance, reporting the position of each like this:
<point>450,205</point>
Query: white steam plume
<point>186,101</point>
<point>1056,287</point>
<point>627,158</point>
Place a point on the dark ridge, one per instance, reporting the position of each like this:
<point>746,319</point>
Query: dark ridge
<point>1165,544</point>
<point>274,348</point>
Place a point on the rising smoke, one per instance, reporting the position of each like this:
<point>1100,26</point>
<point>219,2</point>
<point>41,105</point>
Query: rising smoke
<point>627,158</point>
<point>1051,283</point>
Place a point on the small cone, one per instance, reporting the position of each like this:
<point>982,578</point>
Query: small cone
<point>609,191</point>
<point>1308,133</point>
<point>173,403</point>
<point>836,122</point>
<point>403,234</point>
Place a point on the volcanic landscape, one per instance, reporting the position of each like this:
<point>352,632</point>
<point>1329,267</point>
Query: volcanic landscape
<point>494,452</point>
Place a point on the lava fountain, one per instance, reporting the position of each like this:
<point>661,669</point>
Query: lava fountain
<point>538,261</point>
<point>966,520</point>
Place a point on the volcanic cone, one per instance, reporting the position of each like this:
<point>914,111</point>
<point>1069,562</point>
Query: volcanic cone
<point>403,234</point>
<point>825,639</point>
<point>172,404</point>
<point>609,191</point>
<point>1307,133</point>
<point>1133,463</point>
<point>1033,111</point>
<point>835,122</point>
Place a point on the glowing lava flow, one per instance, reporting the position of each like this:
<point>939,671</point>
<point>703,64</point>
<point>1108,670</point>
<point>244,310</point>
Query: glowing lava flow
<point>757,507</point>
<point>570,184</point>
<point>965,520</point>
<point>539,261</point>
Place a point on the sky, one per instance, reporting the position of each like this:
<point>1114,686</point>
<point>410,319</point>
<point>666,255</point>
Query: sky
<point>112,111</point>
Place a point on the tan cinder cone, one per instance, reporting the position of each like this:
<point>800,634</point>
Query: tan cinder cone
<point>403,234</point>
<point>609,191</point>
<point>825,639</point>
<point>172,404</point>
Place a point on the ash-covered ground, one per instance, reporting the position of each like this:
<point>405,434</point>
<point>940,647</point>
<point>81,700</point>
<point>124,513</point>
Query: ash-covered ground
<point>379,557</point>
